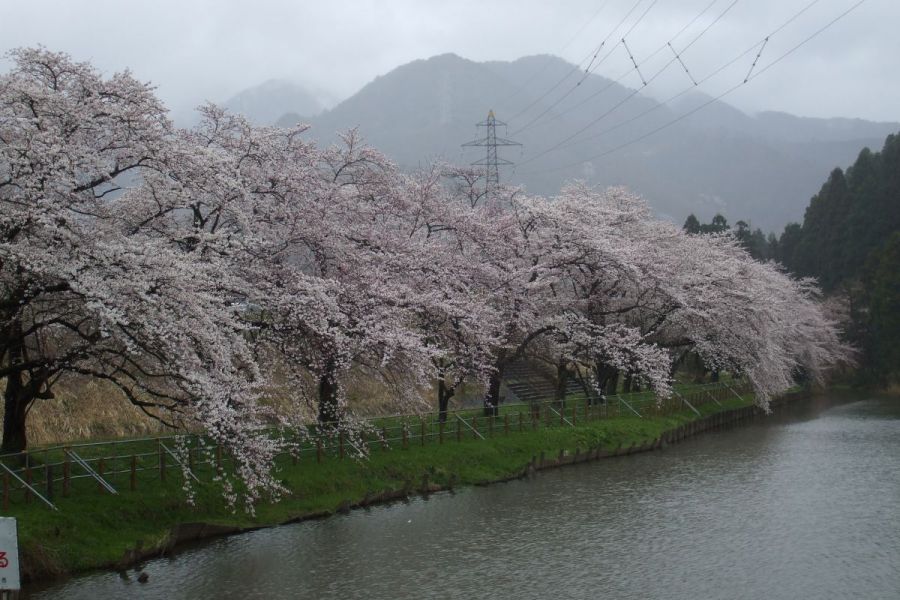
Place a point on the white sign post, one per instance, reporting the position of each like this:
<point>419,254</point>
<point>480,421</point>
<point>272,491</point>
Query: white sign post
<point>9,555</point>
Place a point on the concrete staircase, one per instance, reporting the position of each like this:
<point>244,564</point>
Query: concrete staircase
<point>530,381</point>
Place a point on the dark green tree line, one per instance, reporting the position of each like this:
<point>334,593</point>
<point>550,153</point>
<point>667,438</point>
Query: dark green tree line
<point>850,242</point>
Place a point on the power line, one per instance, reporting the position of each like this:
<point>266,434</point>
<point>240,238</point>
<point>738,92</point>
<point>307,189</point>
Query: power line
<point>804,42</point>
<point>621,77</point>
<point>715,99</point>
<point>681,62</point>
<point>635,92</point>
<point>591,68</point>
<point>550,60</point>
<point>634,62</point>
<point>577,67</point>
<point>756,60</point>
<point>566,95</point>
<point>659,105</point>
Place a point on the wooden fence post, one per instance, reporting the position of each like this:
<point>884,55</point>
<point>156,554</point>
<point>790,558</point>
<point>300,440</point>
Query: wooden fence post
<point>475,427</point>
<point>441,432</point>
<point>67,469</point>
<point>100,469</point>
<point>27,480</point>
<point>48,477</point>
<point>162,461</point>
<point>133,478</point>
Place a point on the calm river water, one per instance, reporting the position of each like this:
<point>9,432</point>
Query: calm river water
<point>804,504</point>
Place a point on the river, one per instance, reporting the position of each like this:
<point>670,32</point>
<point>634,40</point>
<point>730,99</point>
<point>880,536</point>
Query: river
<point>802,504</point>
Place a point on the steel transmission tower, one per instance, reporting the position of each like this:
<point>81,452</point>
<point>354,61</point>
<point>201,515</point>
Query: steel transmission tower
<point>491,162</point>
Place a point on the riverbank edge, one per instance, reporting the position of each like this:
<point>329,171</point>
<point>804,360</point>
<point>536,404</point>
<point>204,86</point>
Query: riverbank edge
<point>37,567</point>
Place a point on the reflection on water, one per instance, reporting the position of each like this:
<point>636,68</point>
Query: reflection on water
<point>800,505</point>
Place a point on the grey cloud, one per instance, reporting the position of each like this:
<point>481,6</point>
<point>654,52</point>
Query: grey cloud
<point>204,49</point>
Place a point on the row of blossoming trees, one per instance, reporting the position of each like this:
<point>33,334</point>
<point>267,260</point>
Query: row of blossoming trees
<point>180,266</point>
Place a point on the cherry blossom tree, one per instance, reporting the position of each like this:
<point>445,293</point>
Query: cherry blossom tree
<point>84,290</point>
<point>65,136</point>
<point>528,257</point>
<point>701,293</point>
<point>348,264</point>
<point>186,267</point>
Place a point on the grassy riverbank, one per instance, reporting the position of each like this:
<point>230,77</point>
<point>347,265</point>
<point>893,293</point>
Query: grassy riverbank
<point>93,529</point>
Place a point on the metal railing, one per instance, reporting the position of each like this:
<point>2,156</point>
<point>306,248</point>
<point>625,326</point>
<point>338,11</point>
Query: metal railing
<point>42,474</point>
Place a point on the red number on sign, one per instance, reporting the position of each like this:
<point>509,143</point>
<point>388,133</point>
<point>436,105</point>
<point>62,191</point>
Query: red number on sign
<point>4,562</point>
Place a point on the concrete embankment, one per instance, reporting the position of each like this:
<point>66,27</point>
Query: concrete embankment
<point>720,420</point>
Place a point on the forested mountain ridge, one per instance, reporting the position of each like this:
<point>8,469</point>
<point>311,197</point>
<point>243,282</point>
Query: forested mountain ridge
<point>850,242</point>
<point>854,214</point>
<point>718,160</point>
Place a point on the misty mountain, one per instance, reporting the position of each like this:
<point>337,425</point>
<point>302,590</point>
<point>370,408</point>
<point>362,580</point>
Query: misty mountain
<point>272,100</point>
<point>762,168</point>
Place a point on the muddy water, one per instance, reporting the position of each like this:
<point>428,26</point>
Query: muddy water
<point>804,504</point>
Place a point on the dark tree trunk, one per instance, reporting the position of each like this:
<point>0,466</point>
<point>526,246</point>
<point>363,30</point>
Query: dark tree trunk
<point>676,364</point>
<point>715,376</point>
<point>15,404</point>
<point>612,385</point>
<point>492,399</point>
<point>17,396</point>
<point>629,381</point>
<point>445,392</point>
<point>329,411</point>
<point>607,378</point>
<point>562,379</point>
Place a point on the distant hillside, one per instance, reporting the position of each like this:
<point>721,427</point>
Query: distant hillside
<point>763,167</point>
<point>268,102</point>
<point>850,242</point>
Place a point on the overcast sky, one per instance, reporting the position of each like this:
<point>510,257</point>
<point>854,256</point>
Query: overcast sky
<point>210,49</point>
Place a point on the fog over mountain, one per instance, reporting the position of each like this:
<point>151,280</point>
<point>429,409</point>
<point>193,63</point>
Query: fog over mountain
<point>266,103</point>
<point>762,168</point>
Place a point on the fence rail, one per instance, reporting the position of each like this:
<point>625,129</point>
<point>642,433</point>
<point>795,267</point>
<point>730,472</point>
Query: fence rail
<point>43,473</point>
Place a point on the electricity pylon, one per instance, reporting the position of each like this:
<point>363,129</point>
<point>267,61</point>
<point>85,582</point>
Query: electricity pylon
<point>492,162</point>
